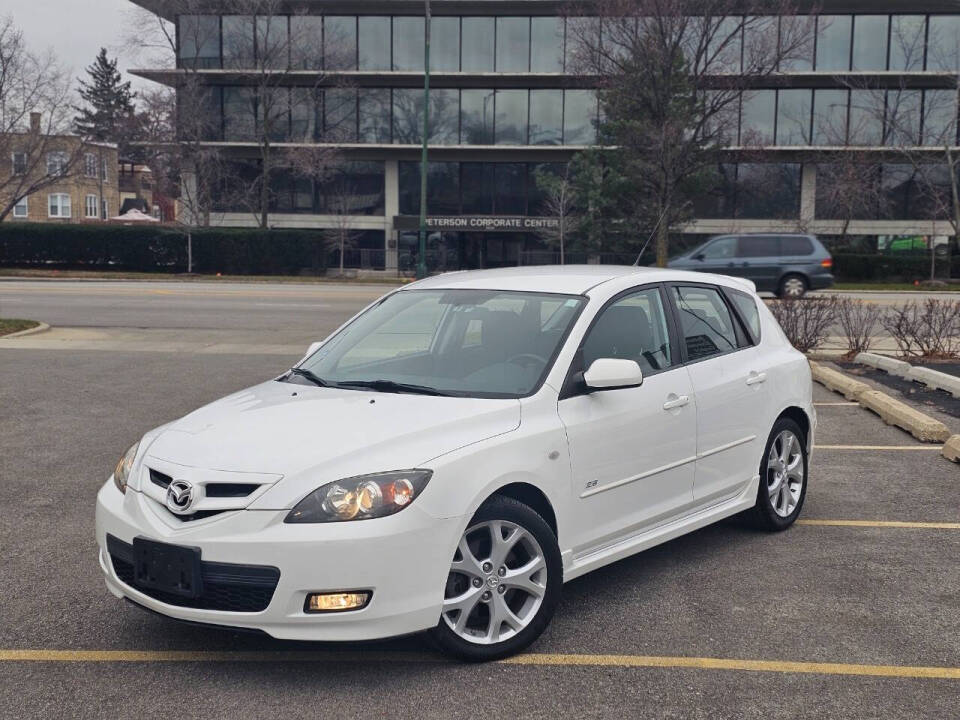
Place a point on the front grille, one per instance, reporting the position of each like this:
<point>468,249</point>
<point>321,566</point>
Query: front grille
<point>158,478</point>
<point>212,490</point>
<point>226,586</point>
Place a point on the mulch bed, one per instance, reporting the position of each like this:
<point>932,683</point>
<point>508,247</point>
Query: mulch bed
<point>920,396</point>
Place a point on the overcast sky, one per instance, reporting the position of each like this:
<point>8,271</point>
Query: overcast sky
<point>75,29</point>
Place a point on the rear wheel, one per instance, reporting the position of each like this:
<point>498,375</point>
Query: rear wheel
<point>783,478</point>
<point>503,586</point>
<point>792,287</point>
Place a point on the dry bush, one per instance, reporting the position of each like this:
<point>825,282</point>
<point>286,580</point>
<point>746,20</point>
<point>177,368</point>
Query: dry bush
<point>806,321</point>
<point>929,330</point>
<point>859,321</point>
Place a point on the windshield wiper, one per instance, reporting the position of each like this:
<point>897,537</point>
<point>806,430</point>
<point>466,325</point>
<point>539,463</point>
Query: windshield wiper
<point>389,386</point>
<point>309,375</point>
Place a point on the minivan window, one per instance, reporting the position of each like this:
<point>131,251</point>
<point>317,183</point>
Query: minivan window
<point>720,248</point>
<point>758,246</point>
<point>706,322</point>
<point>796,246</point>
<point>632,328</point>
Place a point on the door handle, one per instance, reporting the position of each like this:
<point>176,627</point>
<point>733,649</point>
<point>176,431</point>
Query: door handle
<point>756,378</point>
<point>677,402</point>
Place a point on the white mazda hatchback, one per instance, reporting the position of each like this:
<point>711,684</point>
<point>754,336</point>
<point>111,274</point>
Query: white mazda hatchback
<point>452,455</point>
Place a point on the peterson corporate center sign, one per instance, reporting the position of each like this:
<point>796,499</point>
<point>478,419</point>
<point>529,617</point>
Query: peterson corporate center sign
<point>476,223</point>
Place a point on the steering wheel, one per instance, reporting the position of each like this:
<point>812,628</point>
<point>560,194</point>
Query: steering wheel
<point>524,359</point>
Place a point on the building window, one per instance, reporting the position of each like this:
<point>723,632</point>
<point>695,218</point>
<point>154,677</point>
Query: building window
<point>795,32</point>
<point>375,115</point>
<point>833,42</point>
<point>90,165</point>
<point>476,117</point>
<point>105,209</point>
<point>477,44</point>
<point>476,183</point>
<point>579,117</point>
<point>940,118</point>
<point>513,44</point>
<point>306,42</point>
<point>57,163</point>
<point>340,42</point>
<point>870,42</point>
<point>60,206</point>
<point>22,208</point>
<point>768,190</point>
<point>510,183</point>
<point>903,112</point>
<point>238,42</point>
<point>830,117</point>
<point>408,44</point>
<point>239,114</point>
<point>340,115</point>
<point>303,114</point>
<point>794,109</point>
<point>91,206</point>
<point>866,118</point>
<point>199,41</point>
<point>907,38</point>
<point>273,42</point>
<point>445,44</point>
<point>943,44</point>
<point>510,127</point>
<point>19,163</point>
<point>546,44</point>
<point>757,118</point>
<point>546,117</point>
<point>373,43</point>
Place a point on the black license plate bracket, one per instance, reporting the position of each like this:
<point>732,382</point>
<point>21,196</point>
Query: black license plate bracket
<point>174,569</point>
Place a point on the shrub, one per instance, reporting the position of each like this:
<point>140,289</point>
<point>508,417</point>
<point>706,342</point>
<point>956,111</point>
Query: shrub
<point>929,330</point>
<point>859,321</point>
<point>238,251</point>
<point>806,321</point>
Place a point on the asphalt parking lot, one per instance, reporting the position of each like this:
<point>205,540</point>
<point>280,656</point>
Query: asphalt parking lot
<point>853,613</point>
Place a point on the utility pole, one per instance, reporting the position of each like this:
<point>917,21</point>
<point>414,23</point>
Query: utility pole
<point>422,255</point>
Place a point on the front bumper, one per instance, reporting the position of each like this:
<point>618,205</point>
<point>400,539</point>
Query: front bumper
<point>403,559</point>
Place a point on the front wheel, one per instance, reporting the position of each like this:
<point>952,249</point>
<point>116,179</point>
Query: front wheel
<point>503,586</point>
<point>783,478</point>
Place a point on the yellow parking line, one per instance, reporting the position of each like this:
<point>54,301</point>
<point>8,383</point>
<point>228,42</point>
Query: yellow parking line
<point>882,524</point>
<point>877,447</point>
<point>532,659</point>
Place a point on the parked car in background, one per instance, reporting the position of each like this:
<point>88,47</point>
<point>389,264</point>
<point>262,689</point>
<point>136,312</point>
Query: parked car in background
<point>787,265</point>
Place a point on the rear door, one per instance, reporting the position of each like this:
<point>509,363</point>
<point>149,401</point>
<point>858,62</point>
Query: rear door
<point>758,257</point>
<point>729,384</point>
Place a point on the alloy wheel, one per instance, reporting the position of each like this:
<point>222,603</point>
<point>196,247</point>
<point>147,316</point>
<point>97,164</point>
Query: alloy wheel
<point>496,584</point>
<point>785,473</point>
<point>794,287</point>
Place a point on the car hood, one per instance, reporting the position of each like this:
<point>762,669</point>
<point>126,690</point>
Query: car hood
<point>294,430</point>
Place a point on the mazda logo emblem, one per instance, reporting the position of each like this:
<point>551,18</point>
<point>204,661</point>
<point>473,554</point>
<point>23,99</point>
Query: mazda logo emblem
<point>180,497</point>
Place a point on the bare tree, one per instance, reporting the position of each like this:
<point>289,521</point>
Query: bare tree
<point>559,200</point>
<point>671,83</point>
<point>340,200</point>
<point>35,114</point>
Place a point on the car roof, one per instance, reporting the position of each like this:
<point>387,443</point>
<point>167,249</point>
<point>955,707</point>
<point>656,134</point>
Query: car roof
<point>565,279</point>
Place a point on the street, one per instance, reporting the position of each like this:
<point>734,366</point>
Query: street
<point>851,613</point>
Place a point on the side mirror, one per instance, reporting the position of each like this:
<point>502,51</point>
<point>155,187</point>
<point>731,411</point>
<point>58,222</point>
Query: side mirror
<point>612,374</point>
<point>311,350</point>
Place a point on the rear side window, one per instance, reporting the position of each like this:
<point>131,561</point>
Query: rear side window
<point>747,307</point>
<point>758,246</point>
<point>705,321</point>
<point>796,246</point>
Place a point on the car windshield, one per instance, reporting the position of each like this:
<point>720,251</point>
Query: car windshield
<point>472,343</point>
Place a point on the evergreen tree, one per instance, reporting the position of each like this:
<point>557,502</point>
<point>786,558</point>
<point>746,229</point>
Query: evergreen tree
<point>108,113</point>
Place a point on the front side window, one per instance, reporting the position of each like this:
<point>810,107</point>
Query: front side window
<point>59,206</point>
<point>720,249</point>
<point>21,209</point>
<point>632,328</point>
<point>470,343</point>
<point>705,322</point>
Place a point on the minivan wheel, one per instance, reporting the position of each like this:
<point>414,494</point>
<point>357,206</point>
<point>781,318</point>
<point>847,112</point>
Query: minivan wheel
<point>792,287</point>
<point>503,586</point>
<point>783,478</point>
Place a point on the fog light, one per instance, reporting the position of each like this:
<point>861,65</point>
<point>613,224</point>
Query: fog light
<point>336,602</point>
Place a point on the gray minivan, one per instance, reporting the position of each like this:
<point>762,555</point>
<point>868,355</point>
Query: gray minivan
<point>785,264</point>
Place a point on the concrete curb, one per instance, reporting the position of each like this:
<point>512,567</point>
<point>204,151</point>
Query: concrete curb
<point>41,328</point>
<point>887,364</point>
<point>838,382</point>
<point>893,412</point>
<point>935,379</point>
<point>951,449</point>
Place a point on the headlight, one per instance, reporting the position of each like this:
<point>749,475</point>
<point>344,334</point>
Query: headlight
<point>122,473</point>
<point>361,498</point>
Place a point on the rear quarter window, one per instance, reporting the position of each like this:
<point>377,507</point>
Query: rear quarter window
<point>796,246</point>
<point>747,307</point>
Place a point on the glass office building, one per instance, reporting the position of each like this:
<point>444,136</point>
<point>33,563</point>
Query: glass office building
<point>504,105</point>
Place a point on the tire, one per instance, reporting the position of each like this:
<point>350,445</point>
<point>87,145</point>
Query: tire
<point>793,286</point>
<point>488,632</point>
<point>775,512</point>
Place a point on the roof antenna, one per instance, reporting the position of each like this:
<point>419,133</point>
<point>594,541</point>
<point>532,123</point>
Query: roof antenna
<point>647,243</point>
